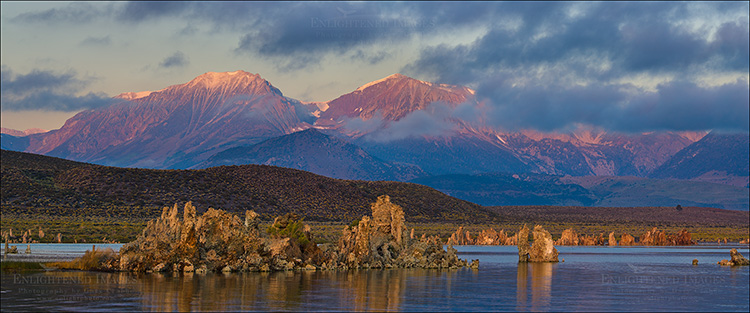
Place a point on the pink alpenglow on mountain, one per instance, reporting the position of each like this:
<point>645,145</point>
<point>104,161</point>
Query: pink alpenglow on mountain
<point>391,99</point>
<point>18,133</point>
<point>178,125</point>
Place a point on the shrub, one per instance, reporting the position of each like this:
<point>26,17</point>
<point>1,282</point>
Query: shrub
<point>289,226</point>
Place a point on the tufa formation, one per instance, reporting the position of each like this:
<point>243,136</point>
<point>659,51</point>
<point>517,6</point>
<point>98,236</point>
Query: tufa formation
<point>219,241</point>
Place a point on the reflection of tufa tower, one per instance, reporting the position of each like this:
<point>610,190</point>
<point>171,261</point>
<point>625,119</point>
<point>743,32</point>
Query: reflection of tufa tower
<point>540,275</point>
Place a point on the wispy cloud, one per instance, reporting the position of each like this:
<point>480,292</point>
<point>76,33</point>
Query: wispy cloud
<point>178,59</point>
<point>433,121</point>
<point>96,41</point>
<point>72,13</point>
<point>47,90</point>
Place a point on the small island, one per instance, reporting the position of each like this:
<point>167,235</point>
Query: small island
<point>218,241</point>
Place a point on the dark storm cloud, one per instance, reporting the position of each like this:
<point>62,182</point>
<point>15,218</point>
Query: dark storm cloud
<point>636,38</point>
<point>310,31</point>
<point>46,90</point>
<point>678,105</point>
<point>733,43</point>
<point>686,106</point>
<point>178,59</point>
<point>554,70</point>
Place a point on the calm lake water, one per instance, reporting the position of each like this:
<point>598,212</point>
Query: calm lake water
<point>590,279</point>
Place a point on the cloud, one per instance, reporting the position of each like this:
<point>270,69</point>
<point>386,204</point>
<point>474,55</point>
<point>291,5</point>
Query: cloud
<point>623,66</point>
<point>676,105</point>
<point>46,90</point>
<point>599,63</point>
<point>138,11</point>
<point>432,122</point>
<point>96,41</point>
<point>311,31</point>
<point>178,59</point>
<point>72,13</point>
<point>631,38</point>
<point>370,57</point>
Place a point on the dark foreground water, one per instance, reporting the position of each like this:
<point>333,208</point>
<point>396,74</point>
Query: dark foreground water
<point>590,279</point>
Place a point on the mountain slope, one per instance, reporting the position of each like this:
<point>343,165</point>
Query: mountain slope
<point>601,191</point>
<point>391,99</point>
<point>177,125</point>
<point>716,157</point>
<point>19,133</point>
<point>36,184</point>
<point>312,151</point>
<point>510,189</point>
<point>393,119</point>
<point>396,119</point>
<point>13,143</point>
<point>639,191</point>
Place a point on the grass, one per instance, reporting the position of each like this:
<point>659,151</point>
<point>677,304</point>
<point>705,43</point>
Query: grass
<point>94,229</point>
<point>90,261</point>
<point>74,229</point>
<point>19,266</point>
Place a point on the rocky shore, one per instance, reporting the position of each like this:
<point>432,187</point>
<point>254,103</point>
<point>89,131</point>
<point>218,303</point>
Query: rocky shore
<point>218,241</point>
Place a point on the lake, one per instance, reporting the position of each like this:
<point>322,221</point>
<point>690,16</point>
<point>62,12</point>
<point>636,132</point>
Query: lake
<point>590,279</point>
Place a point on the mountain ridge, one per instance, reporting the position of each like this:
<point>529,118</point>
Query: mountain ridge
<point>313,151</point>
<point>176,125</point>
<point>182,125</point>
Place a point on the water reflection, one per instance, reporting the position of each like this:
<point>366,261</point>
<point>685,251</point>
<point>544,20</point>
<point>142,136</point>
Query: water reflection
<point>598,281</point>
<point>540,275</point>
<point>348,290</point>
<point>224,292</point>
<point>358,290</point>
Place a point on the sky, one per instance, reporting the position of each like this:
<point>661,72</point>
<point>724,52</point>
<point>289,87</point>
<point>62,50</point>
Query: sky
<point>631,67</point>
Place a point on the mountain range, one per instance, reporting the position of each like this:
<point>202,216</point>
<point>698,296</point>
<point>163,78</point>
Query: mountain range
<point>395,128</point>
<point>319,153</point>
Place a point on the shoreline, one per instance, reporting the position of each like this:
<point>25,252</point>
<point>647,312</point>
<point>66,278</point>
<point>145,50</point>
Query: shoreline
<point>48,257</point>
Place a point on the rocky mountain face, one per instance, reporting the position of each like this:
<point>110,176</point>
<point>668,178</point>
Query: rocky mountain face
<point>392,121</point>
<point>721,158</point>
<point>178,126</point>
<point>391,99</point>
<point>375,116</point>
<point>312,151</point>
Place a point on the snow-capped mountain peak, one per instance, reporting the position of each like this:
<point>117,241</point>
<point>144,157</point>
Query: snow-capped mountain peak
<point>392,97</point>
<point>391,77</point>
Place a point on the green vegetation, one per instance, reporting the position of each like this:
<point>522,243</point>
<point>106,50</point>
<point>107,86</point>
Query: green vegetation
<point>18,266</point>
<point>91,260</point>
<point>73,228</point>
<point>289,226</point>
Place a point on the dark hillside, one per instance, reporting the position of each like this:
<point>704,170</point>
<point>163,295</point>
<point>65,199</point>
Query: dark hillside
<point>34,184</point>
